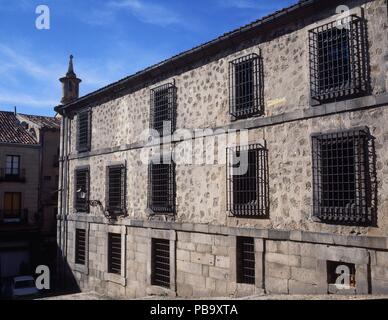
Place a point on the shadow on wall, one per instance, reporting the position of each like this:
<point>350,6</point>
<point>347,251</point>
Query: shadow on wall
<point>61,279</point>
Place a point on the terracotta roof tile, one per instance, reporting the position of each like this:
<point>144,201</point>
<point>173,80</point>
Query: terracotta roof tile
<point>43,122</point>
<point>11,130</point>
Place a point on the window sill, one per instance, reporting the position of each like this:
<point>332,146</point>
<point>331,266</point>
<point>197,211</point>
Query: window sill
<point>154,290</point>
<point>115,278</point>
<point>81,268</point>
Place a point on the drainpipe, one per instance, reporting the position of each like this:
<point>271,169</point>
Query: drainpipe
<point>61,265</point>
<point>67,183</point>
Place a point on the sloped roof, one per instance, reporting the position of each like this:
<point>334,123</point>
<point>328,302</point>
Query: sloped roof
<point>43,122</point>
<point>11,130</point>
<point>209,48</point>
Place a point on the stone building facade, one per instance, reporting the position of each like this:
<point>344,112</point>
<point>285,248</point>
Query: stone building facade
<point>307,88</point>
<point>28,192</point>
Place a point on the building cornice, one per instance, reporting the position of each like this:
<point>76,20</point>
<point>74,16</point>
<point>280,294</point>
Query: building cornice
<point>361,241</point>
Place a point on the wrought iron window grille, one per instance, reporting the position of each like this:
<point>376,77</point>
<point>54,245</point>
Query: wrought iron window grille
<point>116,191</point>
<point>246,86</point>
<point>339,60</point>
<point>80,246</point>
<point>163,109</point>
<point>114,253</point>
<point>84,122</point>
<point>344,177</point>
<point>160,261</point>
<point>248,191</point>
<point>82,187</point>
<point>161,188</point>
<point>245,260</point>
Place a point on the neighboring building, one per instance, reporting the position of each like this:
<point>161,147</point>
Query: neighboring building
<point>313,202</point>
<point>29,147</point>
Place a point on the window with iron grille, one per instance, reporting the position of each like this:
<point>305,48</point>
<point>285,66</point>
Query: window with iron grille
<point>82,190</point>
<point>161,263</point>
<point>344,177</point>
<point>163,107</point>
<point>248,182</point>
<point>161,188</point>
<point>80,246</point>
<point>246,86</point>
<point>116,189</point>
<point>245,260</point>
<point>338,60</point>
<point>114,253</point>
<point>84,131</point>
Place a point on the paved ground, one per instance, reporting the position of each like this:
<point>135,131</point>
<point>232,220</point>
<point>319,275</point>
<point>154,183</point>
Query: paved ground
<point>95,296</point>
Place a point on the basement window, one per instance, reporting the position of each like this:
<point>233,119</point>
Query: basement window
<point>163,108</point>
<point>344,177</point>
<point>116,189</point>
<point>338,63</point>
<point>161,188</point>
<point>246,86</point>
<point>248,182</point>
<point>160,263</point>
<point>80,246</point>
<point>114,253</point>
<point>82,188</point>
<point>341,274</point>
<point>83,131</point>
<point>245,260</point>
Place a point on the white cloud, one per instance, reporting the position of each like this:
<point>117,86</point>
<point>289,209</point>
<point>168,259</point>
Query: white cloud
<point>240,4</point>
<point>147,12</point>
<point>18,99</point>
<point>16,62</point>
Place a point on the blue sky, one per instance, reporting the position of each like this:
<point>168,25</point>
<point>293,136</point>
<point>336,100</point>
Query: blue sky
<point>110,39</point>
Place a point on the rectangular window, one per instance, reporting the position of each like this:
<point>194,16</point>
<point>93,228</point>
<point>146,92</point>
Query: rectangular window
<point>114,253</point>
<point>245,260</point>
<point>341,273</point>
<point>82,187</point>
<point>80,246</point>
<point>12,167</point>
<point>163,108</point>
<point>161,263</point>
<point>116,193</point>
<point>12,205</point>
<point>84,131</point>
<point>161,187</point>
<point>246,86</point>
<point>344,177</point>
<point>338,60</point>
<point>248,182</point>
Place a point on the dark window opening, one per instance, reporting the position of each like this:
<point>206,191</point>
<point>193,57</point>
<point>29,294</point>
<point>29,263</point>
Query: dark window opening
<point>338,60</point>
<point>114,253</point>
<point>248,182</point>
<point>116,189</point>
<point>246,86</point>
<point>84,131</point>
<point>161,263</point>
<point>80,246</point>
<point>162,188</point>
<point>82,187</point>
<point>334,59</point>
<point>163,108</point>
<point>344,178</point>
<point>245,260</point>
<point>12,167</point>
<point>341,273</point>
